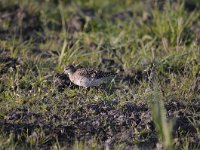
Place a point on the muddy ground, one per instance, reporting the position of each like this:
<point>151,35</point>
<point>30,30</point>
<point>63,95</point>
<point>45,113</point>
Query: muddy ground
<point>71,117</point>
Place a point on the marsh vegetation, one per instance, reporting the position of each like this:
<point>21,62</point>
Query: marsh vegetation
<point>153,46</point>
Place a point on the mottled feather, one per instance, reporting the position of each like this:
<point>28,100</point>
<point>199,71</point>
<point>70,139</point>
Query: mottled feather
<point>87,77</point>
<point>90,73</point>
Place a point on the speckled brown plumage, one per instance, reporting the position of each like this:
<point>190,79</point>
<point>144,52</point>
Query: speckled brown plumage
<point>90,73</point>
<point>87,77</point>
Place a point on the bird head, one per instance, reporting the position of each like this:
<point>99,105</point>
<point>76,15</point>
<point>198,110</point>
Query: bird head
<point>69,69</point>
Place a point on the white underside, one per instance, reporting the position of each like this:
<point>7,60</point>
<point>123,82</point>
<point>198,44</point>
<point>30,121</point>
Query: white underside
<point>88,82</point>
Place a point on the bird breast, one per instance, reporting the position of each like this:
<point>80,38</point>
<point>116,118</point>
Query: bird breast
<point>84,81</point>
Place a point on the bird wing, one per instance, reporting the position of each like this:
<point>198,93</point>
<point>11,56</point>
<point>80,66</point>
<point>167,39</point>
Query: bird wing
<point>90,73</point>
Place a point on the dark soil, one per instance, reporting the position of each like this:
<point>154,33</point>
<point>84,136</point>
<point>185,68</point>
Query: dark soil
<point>21,22</point>
<point>109,122</point>
<point>104,120</point>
